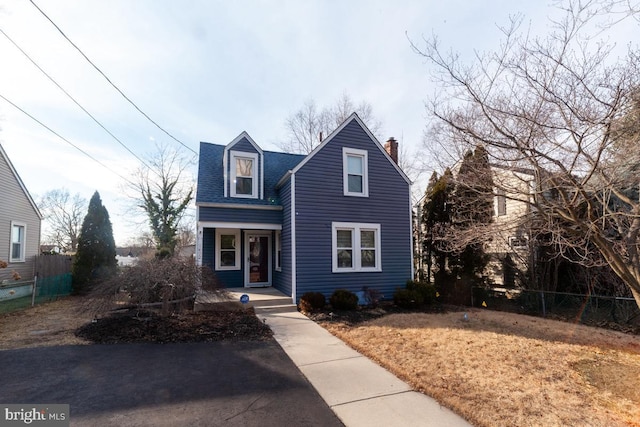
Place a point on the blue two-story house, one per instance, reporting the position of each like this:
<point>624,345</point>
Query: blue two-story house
<point>337,218</point>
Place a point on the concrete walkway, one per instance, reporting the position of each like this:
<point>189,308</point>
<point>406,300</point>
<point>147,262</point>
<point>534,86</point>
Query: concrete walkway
<point>360,392</point>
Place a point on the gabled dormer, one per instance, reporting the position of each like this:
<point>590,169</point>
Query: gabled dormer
<point>243,164</point>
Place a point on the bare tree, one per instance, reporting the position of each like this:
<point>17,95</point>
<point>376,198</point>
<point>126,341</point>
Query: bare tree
<point>308,125</point>
<point>553,106</point>
<point>163,192</point>
<point>63,214</point>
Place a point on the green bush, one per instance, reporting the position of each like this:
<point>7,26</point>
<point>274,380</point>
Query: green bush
<point>407,298</point>
<point>425,289</point>
<point>311,301</point>
<point>341,299</point>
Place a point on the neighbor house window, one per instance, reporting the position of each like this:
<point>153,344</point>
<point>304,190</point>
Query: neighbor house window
<point>244,168</point>
<point>278,251</point>
<point>227,249</point>
<point>17,249</point>
<point>356,247</point>
<point>501,202</point>
<point>354,170</point>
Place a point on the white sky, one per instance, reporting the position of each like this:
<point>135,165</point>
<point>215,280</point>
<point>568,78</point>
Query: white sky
<point>207,70</point>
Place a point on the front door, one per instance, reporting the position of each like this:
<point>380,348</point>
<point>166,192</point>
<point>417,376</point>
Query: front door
<point>258,260</point>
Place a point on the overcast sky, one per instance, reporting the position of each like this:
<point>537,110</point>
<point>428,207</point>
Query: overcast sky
<point>208,70</point>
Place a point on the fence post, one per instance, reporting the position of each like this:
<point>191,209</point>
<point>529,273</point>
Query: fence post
<point>544,307</point>
<point>33,294</point>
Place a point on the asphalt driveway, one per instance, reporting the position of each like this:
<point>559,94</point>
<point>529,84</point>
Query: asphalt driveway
<point>195,384</point>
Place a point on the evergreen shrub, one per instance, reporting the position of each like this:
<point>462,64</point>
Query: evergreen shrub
<point>341,299</point>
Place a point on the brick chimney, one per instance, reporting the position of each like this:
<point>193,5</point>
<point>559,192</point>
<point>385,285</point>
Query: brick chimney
<point>391,147</point>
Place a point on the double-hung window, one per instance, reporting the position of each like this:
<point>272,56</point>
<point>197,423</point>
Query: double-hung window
<point>501,203</point>
<point>227,249</point>
<point>355,172</point>
<point>17,249</point>
<point>244,182</point>
<point>356,247</point>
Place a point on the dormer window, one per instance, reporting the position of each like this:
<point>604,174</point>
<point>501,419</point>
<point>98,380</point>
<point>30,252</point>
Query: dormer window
<point>355,172</point>
<point>244,167</point>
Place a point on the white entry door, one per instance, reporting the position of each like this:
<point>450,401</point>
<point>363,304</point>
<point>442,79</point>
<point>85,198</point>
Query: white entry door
<point>258,260</point>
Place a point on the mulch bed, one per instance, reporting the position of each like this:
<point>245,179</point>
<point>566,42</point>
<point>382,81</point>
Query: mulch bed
<point>363,314</point>
<point>138,327</point>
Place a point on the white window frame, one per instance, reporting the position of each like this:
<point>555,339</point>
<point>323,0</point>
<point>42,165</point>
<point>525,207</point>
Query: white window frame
<point>278,250</point>
<point>501,203</point>
<point>254,174</point>
<point>227,232</point>
<point>23,243</point>
<point>356,265</point>
<point>353,152</point>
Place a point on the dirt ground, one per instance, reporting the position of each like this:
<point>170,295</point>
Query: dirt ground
<point>67,322</point>
<point>504,369</point>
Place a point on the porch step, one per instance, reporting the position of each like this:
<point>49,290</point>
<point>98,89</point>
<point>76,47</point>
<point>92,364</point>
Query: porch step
<point>272,309</point>
<point>258,298</point>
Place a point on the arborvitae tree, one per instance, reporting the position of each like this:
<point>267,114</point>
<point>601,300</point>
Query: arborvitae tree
<point>436,217</point>
<point>96,256</point>
<point>473,206</point>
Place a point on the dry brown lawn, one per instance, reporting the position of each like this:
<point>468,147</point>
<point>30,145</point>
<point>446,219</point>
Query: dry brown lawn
<point>504,369</point>
<point>44,325</point>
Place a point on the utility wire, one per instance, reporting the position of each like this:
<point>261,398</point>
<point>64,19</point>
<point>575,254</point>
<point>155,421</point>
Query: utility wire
<point>111,83</point>
<point>67,141</point>
<point>73,99</point>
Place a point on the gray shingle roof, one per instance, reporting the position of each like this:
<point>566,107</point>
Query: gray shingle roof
<point>211,178</point>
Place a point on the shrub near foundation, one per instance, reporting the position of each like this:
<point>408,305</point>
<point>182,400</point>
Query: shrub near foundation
<point>341,299</point>
<point>407,298</point>
<point>426,290</point>
<point>311,301</point>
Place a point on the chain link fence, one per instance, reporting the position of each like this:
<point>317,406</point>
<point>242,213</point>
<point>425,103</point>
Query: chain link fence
<point>19,295</point>
<point>588,309</point>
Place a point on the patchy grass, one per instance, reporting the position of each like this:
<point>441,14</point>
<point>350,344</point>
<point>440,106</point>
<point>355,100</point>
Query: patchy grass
<point>504,369</point>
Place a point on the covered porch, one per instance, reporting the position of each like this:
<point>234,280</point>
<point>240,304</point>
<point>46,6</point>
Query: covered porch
<point>267,298</point>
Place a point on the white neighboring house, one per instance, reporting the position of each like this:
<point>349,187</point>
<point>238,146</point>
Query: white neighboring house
<point>20,225</point>
<point>509,245</point>
<point>508,242</point>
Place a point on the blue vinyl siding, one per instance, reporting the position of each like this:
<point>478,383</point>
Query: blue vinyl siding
<point>228,278</point>
<point>265,216</point>
<point>320,201</point>
<point>282,280</point>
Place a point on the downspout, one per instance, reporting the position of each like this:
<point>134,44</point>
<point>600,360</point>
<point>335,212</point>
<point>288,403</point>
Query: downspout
<point>293,239</point>
<point>411,235</point>
<point>198,238</point>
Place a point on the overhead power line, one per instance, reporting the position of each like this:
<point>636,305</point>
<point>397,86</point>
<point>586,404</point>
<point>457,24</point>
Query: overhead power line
<point>110,82</point>
<point>66,140</point>
<point>72,98</point>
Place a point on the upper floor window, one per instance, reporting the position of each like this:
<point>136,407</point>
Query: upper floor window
<point>17,250</point>
<point>244,168</point>
<point>355,172</point>
<point>501,203</point>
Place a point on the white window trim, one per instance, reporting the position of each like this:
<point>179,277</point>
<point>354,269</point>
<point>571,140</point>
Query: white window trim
<point>346,152</point>
<point>254,174</point>
<point>356,265</point>
<point>23,245</point>
<point>236,234</point>
<point>278,250</point>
